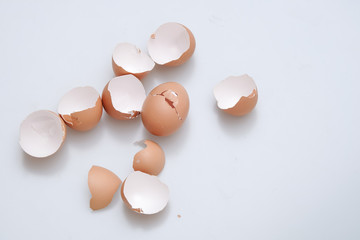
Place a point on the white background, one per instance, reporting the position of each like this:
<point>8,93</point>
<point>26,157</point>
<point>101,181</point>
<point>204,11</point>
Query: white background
<point>288,170</point>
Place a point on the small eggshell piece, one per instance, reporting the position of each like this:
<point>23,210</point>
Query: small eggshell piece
<point>171,44</point>
<point>144,193</point>
<point>128,59</point>
<point>236,95</point>
<point>150,160</point>
<point>103,184</point>
<point>42,133</point>
<point>123,97</point>
<point>81,108</point>
<point>165,109</point>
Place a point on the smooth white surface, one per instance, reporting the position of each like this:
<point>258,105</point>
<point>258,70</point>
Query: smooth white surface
<point>127,94</point>
<point>145,192</point>
<point>168,43</point>
<point>132,59</point>
<point>229,91</point>
<point>289,170</point>
<point>41,133</point>
<point>78,99</point>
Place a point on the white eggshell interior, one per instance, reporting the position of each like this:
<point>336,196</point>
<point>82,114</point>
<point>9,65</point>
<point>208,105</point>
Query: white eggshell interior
<point>230,90</point>
<point>127,93</point>
<point>41,133</point>
<point>145,192</point>
<point>169,42</point>
<point>77,100</point>
<point>132,59</point>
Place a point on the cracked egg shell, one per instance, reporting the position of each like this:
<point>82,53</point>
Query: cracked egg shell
<point>165,109</point>
<point>42,133</point>
<point>81,108</point>
<point>171,44</point>
<point>123,97</point>
<point>128,59</point>
<point>103,184</point>
<point>236,95</point>
<point>151,159</point>
<point>144,193</point>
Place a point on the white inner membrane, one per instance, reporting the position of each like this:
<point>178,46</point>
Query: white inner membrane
<point>132,59</point>
<point>146,192</point>
<point>168,43</point>
<point>78,99</point>
<point>127,94</point>
<point>230,90</point>
<point>41,133</point>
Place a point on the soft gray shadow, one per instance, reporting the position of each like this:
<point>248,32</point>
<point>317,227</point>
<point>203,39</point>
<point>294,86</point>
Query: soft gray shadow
<point>85,140</point>
<point>48,165</point>
<point>122,130</point>
<point>178,74</point>
<point>236,125</point>
<point>171,144</point>
<point>146,221</point>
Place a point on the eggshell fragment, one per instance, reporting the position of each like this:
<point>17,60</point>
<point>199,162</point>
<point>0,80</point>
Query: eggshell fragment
<point>81,108</point>
<point>42,133</point>
<point>123,97</point>
<point>171,44</point>
<point>128,59</point>
<point>165,109</point>
<point>103,184</point>
<point>236,95</point>
<point>150,160</point>
<point>144,193</point>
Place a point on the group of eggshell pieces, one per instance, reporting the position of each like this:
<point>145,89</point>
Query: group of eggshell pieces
<point>162,112</point>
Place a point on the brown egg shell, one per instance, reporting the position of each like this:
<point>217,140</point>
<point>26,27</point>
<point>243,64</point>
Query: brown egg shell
<point>86,119</point>
<point>146,192</point>
<point>186,55</point>
<point>109,108</point>
<point>103,184</point>
<point>244,105</point>
<point>24,143</point>
<point>150,160</point>
<point>158,116</point>
<point>119,71</point>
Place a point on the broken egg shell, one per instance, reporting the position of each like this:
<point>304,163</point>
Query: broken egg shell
<point>236,95</point>
<point>165,109</point>
<point>103,184</point>
<point>42,133</point>
<point>150,160</point>
<point>144,193</point>
<point>123,97</point>
<point>173,36</point>
<point>81,108</point>
<point>128,59</point>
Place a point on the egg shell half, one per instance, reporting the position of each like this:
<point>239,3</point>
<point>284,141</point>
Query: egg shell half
<point>236,95</point>
<point>172,44</point>
<point>150,160</point>
<point>103,184</point>
<point>42,133</point>
<point>81,108</point>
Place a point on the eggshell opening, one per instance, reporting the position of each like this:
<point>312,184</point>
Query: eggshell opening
<point>123,97</point>
<point>81,108</point>
<point>144,193</point>
<point>128,59</point>
<point>236,95</point>
<point>42,133</point>
<point>150,160</point>
<point>103,184</point>
<point>171,44</point>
